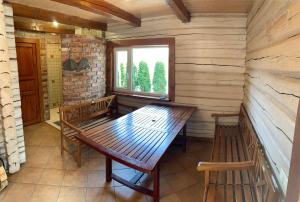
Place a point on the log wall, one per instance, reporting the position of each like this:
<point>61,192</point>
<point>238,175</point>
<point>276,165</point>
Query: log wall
<point>210,62</point>
<point>272,86</point>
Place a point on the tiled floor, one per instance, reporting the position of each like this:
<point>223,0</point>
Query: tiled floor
<point>54,117</point>
<point>47,177</point>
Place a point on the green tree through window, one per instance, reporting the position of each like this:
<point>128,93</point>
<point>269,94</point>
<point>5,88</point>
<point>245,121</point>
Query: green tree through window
<point>144,77</point>
<point>135,82</point>
<point>159,78</point>
<point>123,76</point>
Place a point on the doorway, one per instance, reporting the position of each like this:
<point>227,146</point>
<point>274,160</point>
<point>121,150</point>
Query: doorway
<point>54,81</point>
<point>28,58</point>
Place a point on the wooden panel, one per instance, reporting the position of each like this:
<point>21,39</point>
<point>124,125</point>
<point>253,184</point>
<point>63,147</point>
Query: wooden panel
<point>49,16</point>
<point>42,28</point>
<point>180,10</point>
<point>139,139</point>
<point>29,79</point>
<point>272,78</point>
<point>209,63</point>
<point>103,7</point>
<point>293,193</point>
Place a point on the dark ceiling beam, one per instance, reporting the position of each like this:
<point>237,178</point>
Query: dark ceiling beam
<point>28,26</point>
<point>50,16</point>
<point>180,10</point>
<point>100,7</point>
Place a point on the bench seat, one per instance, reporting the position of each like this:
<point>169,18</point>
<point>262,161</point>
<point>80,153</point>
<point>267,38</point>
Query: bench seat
<point>238,169</point>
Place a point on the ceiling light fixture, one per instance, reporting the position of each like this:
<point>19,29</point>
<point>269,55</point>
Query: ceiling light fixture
<point>55,23</point>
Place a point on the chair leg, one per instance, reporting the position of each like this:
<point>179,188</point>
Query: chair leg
<point>78,155</point>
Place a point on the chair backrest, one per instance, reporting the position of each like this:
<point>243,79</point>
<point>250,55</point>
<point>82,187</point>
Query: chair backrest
<point>263,178</point>
<point>87,110</point>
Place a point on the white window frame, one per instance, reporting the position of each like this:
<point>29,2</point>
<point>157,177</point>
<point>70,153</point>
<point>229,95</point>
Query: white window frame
<point>129,89</point>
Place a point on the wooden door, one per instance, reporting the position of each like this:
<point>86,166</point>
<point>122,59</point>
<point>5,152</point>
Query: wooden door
<point>29,80</point>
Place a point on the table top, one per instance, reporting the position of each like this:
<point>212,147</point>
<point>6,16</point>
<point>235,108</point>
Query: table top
<point>140,138</point>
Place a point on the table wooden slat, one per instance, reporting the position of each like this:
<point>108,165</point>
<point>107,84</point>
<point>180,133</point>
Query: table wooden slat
<point>139,139</point>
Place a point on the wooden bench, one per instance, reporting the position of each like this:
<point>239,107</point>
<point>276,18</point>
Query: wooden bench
<point>238,170</point>
<point>81,117</point>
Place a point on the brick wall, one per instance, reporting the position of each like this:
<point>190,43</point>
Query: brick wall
<point>86,84</point>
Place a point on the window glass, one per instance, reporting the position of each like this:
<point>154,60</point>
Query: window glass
<point>121,61</point>
<point>142,70</point>
<point>150,67</point>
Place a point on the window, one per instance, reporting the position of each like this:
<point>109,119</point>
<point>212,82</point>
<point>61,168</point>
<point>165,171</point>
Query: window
<point>143,68</point>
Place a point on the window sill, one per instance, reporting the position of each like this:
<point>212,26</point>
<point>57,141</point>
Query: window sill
<point>148,97</point>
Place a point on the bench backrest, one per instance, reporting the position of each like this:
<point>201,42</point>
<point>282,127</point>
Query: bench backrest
<point>87,110</point>
<point>263,179</point>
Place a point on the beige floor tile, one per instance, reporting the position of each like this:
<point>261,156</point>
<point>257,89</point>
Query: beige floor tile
<point>45,193</point>
<point>29,175</point>
<point>71,194</point>
<point>97,179</point>
<point>169,198</point>
<point>180,181</point>
<point>55,161</point>
<point>40,157</point>
<point>100,195</point>
<point>96,164</point>
<point>75,179</point>
<point>125,194</point>
<point>19,192</point>
<point>165,188</point>
<point>170,168</point>
<point>191,194</point>
<point>52,177</point>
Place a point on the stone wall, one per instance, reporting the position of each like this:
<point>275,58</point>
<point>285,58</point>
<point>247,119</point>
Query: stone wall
<point>11,132</point>
<point>85,84</point>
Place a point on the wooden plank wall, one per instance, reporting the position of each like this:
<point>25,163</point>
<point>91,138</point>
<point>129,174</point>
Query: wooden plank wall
<point>272,86</point>
<point>210,59</point>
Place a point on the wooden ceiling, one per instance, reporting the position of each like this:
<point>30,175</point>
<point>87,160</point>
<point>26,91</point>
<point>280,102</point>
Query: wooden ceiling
<point>131,11</point>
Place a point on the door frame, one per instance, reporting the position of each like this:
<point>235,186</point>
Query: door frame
<point>39,71</point>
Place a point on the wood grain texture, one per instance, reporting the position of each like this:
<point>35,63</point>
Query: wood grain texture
<point>180,10</point>
<point>209,63</point>
<point>49,16</point>
<point>293,189</point>
<point>103,7</point>
<point>139,139</point>
<point>272,78</point>
<point>42,28</point>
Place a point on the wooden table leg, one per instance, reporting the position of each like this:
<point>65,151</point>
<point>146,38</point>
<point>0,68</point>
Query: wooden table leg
<point>156,184</point>
<point>184,138</point>
<point>108,169</point>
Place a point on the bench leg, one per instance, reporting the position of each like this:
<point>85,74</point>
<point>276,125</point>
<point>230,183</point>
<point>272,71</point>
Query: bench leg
<point>108,169</point>
<point>156,184</point>
<point>184,138</point>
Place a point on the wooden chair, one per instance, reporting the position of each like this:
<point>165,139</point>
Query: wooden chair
<point>80,117</point>
<point>238,170</point>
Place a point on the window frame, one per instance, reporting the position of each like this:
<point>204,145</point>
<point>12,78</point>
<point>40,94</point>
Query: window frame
<point>129,44</point>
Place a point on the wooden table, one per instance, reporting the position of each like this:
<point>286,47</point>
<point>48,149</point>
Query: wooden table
<point>139,140</point>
